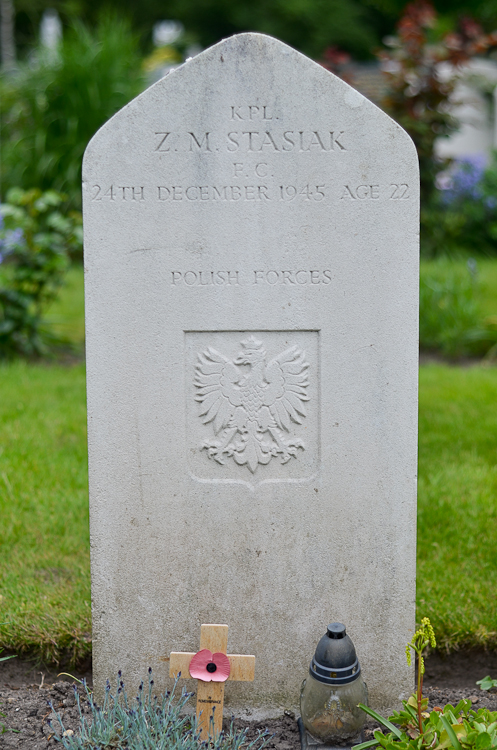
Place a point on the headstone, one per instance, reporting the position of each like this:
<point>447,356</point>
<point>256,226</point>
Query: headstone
<point>251,250</point>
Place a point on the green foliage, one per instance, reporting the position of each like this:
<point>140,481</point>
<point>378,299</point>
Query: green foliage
<point>54,104</point>
<point>36,239</point>
<point>423,637</point>
<point>487,683</point>
<point>308,25</point>
<point>449,313</point>
<point>457,727</point>
<point>418,97</point>
<point>411,718</point>
<point>451,317</point>
<point>463,216</point>
<point>4,729</point>
<point>302,23</point>
<point>146,722</point>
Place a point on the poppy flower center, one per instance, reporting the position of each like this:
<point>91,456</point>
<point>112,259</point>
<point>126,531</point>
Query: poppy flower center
<point>211,667</point>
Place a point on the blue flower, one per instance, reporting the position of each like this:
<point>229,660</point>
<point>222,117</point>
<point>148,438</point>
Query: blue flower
<point>10,239</point>
<point>464,180</point>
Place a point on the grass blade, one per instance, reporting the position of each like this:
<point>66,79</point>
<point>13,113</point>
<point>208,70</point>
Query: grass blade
<point>363,745</point>
<point>383,721</point>
<point>452,735</point>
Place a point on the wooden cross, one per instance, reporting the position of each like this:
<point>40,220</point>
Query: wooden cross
<point>210,695</point>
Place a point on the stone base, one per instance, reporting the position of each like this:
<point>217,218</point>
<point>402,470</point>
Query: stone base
<point>308,742</point>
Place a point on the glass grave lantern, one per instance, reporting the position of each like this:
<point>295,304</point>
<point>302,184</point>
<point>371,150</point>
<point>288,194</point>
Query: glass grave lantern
<point>330,694</point>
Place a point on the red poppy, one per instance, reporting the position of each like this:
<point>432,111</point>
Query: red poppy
<point>208,667</point>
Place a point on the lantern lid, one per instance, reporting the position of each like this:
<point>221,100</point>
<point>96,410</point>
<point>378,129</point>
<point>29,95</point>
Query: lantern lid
<point>335,661</point>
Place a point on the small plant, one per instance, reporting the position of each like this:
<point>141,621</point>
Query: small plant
<point>146,722</point>
<point>36,238</point>
<point>5,658</point>
<point>13,656</point>
<point>414,728</point>
<point>3,728</point>
<point>422,638</point>
<point>487,683</point>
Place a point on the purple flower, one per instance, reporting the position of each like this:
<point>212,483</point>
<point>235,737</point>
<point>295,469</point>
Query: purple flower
<point>463,180</point>
<point>10,239</point>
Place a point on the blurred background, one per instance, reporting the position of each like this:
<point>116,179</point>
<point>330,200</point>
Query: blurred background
<point>69,65</point>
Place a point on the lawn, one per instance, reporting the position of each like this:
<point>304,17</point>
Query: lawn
<point>67,314</point>
<point>44,540</point>
<point>44,543</point>
<point>487,291</point>
<point>457,504</point>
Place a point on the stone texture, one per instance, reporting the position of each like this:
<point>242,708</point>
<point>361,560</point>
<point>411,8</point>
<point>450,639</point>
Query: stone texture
<point>251,251</point>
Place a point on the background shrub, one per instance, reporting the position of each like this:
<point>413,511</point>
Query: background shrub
<point>462,216</point>
<point>53,104</point>
<point>37,234</point>
<point>448,308</point>
<point>450,319</point>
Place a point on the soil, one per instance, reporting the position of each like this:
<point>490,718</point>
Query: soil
<point>27,690</point>
<point>436,358</point>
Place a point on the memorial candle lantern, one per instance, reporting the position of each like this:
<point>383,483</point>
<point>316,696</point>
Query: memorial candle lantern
<point>330,694</point>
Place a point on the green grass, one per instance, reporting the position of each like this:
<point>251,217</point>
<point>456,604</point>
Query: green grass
<point>457,506</point>
<point>458,308</point>
<point>66,315</point>
<point>44,540</point>
<point>487,285</point>
<point>44,544</point>
<point>486,278</point>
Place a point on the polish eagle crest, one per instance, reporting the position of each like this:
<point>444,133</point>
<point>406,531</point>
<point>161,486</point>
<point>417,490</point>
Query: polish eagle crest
<point>251,403</point>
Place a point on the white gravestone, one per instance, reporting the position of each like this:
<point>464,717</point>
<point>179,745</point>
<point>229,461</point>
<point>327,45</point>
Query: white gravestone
<point>251,250</point>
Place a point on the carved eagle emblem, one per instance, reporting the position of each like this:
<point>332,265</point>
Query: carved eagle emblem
<point>251,404</point>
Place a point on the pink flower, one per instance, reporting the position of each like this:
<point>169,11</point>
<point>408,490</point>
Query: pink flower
<point>207,666</point>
